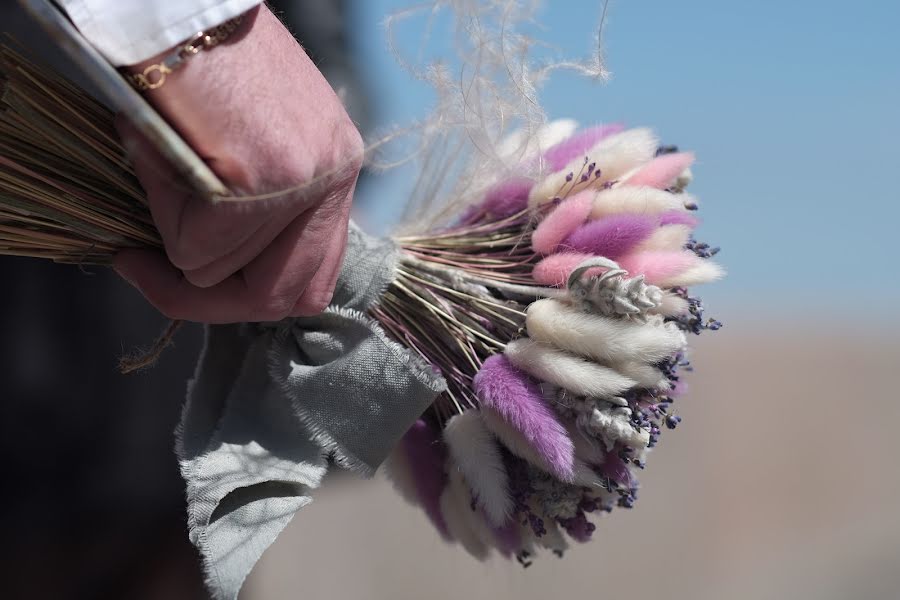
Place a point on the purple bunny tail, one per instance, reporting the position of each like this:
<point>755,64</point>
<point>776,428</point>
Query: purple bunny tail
<point>577,146</point>
<point>517,399</point>
<point>502,200</point>
<point>426,455</point>
<point>612,236</point>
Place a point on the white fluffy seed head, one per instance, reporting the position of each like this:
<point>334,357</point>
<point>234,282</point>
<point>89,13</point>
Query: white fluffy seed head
<point>637,200</point>
<point>603,339</point>
<point>704,271</point>
<point>646,376</point>
<point>672,305</point>
<point>473,449</point>
<point>454,513</point>
<point>578,375</point>
<point>667,237</point>
<point>474,517</point>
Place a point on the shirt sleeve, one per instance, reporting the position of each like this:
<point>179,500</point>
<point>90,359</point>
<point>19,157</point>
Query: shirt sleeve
<point>130,31</point>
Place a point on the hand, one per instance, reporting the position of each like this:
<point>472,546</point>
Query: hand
<point>261,115</point>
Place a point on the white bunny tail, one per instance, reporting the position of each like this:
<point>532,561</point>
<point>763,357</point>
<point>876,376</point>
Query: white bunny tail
<point>672,305</point>
<point>454,511</point>
<point>705,271</point>
<point>618,154</point>
<point>601,338</point>
<point>667,237</point>
<point>573,373</point>
<point>637,200</point>
<point>474,518</point>
<point>474,451</point>
<point>646,376</point>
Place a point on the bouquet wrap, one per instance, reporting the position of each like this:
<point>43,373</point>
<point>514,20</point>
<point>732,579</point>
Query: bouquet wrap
<point>270,403</point>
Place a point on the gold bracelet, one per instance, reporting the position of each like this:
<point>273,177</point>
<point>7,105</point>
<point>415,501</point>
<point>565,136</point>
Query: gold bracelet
<point>155,76</point>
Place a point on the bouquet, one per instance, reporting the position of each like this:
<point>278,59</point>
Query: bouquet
<point>537,336</point>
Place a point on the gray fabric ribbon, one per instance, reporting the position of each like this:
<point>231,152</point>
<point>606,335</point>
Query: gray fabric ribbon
<point>270,402</point>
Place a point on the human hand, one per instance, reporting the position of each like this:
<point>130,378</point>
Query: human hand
<point>261,115</point>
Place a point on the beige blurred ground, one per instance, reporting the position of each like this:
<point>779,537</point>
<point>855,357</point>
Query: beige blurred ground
<point>782,482</point>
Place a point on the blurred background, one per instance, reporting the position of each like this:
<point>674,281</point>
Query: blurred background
<point>782,482</point>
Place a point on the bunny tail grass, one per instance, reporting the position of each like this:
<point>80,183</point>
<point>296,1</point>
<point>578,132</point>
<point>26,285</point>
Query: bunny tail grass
<point>560,223</point>
<point>515,441</point>
<point>515,398</point>
<point>638,201</point>
<point>568,371</point>
<point>606,340</point>
<point>608,160</point>
<point>612,236</point>
<point>578,146</point>
<point>475,453</point>
<point>425,454</point>
<point>667,237</point>
<point>662,171</point>
<point>454,510</point>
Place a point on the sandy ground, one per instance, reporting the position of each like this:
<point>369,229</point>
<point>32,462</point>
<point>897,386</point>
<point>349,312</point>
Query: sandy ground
<point>782,482</point>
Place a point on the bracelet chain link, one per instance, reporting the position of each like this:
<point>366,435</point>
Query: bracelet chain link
<point>155,75</point>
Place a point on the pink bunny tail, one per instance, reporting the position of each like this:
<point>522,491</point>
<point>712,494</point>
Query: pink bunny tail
<point>554,270</point>
<point>561,222</point>
<point>662,171</point>
<point>658,266</point>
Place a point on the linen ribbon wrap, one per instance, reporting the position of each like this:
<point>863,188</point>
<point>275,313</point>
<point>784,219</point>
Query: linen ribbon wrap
<point>269,403</point>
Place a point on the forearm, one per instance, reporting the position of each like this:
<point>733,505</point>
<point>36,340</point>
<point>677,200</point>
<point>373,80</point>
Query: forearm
<point>282,98</point>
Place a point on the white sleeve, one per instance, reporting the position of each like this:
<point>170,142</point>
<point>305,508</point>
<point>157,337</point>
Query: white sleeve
<point>130,31</point>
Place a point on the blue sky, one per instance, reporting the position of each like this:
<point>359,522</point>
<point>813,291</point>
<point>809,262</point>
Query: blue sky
<point>791,108</point>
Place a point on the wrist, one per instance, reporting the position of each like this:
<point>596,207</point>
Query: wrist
<point>206,75</point>
<point>151,75</point>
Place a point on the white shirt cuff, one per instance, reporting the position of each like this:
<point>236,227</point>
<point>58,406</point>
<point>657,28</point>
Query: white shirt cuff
<point>127,32</point>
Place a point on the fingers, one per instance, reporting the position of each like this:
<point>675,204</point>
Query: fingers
<point>219,270</point>
<point>240,261</point>
<point>231,301</point>
<point>283,272</point>
<point>165,195</point>
<point>171,294</point>
<point>195,232</point>
<point>295,275</point>
<point>317,295</point>
<point>208,232</point>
